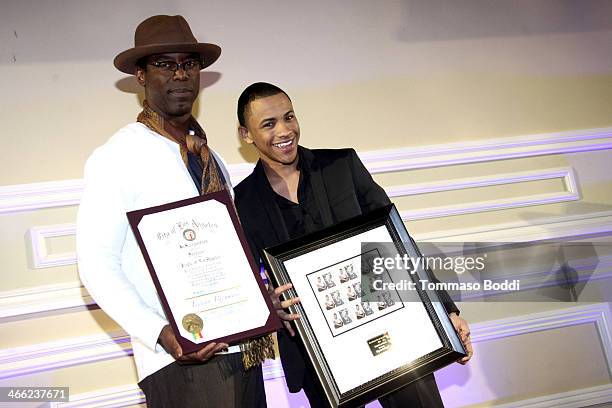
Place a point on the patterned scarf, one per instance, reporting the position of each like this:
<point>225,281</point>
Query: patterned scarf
<point>254,351</point>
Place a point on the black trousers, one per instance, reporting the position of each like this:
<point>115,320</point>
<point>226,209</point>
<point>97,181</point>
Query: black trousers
<point>422,393</point>
<point>219,383</point>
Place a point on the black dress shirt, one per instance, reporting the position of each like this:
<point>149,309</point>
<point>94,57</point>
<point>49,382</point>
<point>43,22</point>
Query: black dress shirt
<point>302,217</point>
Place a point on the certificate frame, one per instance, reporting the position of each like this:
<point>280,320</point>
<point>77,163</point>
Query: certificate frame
<point>272,322</point>
<point>298,260</point>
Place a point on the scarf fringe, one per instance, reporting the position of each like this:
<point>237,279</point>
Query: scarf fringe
<point>255,351</point>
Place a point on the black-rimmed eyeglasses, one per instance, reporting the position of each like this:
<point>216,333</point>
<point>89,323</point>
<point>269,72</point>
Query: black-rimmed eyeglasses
<point>191,65</point>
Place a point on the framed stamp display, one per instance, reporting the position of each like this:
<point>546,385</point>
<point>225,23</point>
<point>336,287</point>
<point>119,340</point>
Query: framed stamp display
<point>365,337</point>
<point>208,283</point>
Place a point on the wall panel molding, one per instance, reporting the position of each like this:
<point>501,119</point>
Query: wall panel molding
<point>25,197</point>
<point>585,397</point>
<point>548,278</point>
<point>123,396</point>
<point>131,395</point>
<point>42,258</point>
<point>557,227</point>
<point>79,352</point>
<point>598,314</point>
<point>40,254</point>
<point>449,154</point>
<point>36,196</point>
<point>569,193</point>
<point>36,358</point>
<point>44,298</point>
<point>63,296</point>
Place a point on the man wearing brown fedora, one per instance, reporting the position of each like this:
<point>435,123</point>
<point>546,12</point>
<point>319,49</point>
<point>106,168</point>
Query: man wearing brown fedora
<point>160,158</point>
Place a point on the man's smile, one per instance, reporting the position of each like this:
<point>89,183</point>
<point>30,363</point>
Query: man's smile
<point>285,145</point>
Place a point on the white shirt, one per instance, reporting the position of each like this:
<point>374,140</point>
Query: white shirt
<point>137,168</point>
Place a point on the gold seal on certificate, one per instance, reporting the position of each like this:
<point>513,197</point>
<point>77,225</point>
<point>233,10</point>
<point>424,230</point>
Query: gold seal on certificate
<point>193,323</point>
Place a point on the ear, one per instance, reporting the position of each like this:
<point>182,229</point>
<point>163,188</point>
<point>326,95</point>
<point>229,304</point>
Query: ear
<point>245,135</point>
<point>140,76</point>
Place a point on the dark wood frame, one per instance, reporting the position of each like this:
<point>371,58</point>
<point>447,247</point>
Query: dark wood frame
<point>272,323</point>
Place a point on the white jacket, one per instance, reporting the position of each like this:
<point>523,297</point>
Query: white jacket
<point>137,168</point>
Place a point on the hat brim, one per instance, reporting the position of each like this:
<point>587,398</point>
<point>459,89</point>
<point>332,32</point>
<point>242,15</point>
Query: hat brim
<point>126,61</point>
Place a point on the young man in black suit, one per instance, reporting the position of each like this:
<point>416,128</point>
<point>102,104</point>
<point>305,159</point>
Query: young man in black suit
<point>294,191</point>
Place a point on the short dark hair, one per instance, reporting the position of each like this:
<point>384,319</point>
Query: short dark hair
<point>252,92</point>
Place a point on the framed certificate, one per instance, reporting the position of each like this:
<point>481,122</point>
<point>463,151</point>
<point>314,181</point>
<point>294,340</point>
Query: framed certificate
<point>364,339</point>
<point>206,278</point>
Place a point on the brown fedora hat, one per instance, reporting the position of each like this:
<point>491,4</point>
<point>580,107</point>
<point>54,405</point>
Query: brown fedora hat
<point>162,34</point>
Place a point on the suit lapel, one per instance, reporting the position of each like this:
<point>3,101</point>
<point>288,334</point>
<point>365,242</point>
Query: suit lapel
<point>311,165</point>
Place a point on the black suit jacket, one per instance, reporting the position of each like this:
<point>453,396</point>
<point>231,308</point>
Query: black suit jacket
<point>343,188</point>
